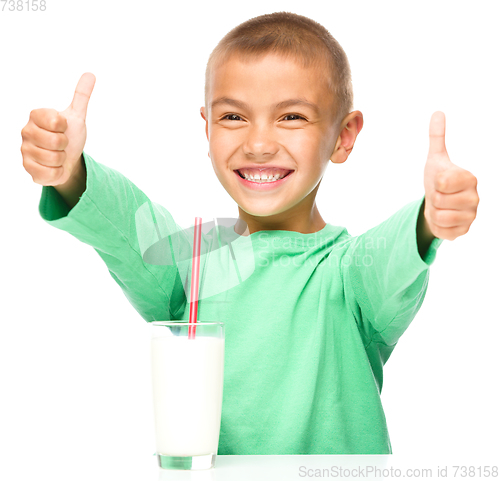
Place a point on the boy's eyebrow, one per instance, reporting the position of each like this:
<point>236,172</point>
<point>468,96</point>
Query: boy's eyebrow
<point>281,105</point>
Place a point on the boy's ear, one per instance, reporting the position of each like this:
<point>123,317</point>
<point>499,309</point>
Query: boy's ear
<point>203,114</point>
<point>352,125</point>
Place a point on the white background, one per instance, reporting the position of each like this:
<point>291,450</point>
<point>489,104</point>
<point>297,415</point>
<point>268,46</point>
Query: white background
<point>74,354</point>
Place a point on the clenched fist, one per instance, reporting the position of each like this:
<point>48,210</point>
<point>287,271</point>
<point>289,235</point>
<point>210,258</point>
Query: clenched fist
<point>53,141</point>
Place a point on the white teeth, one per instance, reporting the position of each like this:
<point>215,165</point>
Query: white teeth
<point>262,178</point>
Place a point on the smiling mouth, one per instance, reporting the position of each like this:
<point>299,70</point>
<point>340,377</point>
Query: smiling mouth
<point>263,181</point>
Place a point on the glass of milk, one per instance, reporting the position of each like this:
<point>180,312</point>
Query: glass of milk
<point>187,378</point>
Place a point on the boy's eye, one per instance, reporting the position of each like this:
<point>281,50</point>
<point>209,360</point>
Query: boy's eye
<point>231,117</point>
<point>297,117</point>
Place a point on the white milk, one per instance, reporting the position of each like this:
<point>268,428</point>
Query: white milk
<point>187,377</point>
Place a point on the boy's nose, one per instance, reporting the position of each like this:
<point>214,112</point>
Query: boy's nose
<point>259,141</point>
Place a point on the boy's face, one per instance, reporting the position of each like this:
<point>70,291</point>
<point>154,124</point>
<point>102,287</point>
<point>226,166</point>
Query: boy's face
<point>246,126</point>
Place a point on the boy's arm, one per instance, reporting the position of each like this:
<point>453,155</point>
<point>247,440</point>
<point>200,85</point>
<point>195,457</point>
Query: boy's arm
<point>104,217</point>
<point>424,234</point>
<point>73,189</point>
<point>386,290</point>
<point>386,274</point>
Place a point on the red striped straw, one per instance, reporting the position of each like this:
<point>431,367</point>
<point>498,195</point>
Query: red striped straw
<point>195,277</point>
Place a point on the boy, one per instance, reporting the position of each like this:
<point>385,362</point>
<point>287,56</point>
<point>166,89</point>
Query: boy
<point>306,339</point>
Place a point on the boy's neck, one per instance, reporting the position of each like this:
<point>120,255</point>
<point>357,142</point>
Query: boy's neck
<point>303,222</point>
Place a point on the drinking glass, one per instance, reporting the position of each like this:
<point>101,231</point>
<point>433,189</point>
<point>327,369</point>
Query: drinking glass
<point>187,361</point>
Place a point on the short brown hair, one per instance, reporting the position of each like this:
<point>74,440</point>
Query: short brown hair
<point>289,34</point>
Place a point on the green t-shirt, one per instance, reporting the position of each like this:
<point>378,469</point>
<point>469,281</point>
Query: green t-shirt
<point>310,319</point>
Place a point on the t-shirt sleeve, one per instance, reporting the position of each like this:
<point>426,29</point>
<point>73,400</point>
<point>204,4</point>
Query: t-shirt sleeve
<point>107,217</point>
<point>386,278</point>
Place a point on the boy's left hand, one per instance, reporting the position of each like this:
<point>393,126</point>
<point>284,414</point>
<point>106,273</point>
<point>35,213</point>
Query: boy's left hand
<point>451,197</point>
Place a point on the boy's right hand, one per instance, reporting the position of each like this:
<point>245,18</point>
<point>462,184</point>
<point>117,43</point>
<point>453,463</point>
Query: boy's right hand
<point>53,141</point>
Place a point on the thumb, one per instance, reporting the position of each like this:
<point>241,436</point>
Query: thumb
<point>82,94</point>
<point>437,129</point>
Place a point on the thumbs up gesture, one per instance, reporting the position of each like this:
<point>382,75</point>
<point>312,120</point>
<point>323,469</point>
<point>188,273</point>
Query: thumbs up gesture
<point>451,197</point>
<point>53,141</point>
